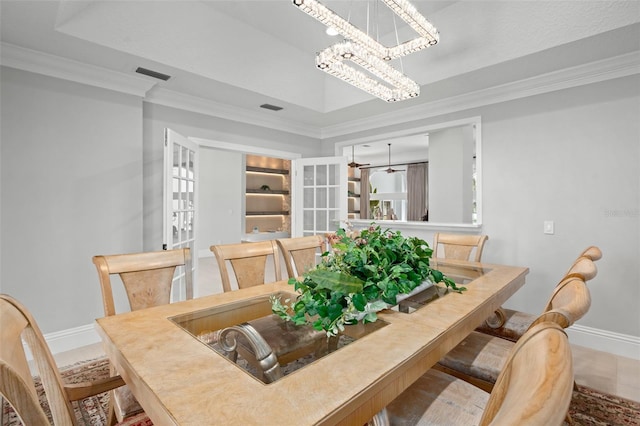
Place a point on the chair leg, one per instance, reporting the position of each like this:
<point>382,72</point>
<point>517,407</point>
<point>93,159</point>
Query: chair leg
<point>111,412</point>
<point>568,420</point>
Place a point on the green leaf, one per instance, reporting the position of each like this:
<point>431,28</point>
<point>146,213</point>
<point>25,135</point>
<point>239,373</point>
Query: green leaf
<point>362,274</point>
<point>377,305</point>
<point>336,281</point>
<point>359,301</point>
<point>437,275</point>
<point>334,311</point>
<point>370,317</point>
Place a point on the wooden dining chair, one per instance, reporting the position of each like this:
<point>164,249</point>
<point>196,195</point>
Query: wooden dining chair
<point>533,388</point>
<point>247,261</point>
<point>459,246</point>
<point>288,342</point>
<point>17,385</point>
<point>301,254</point>
<point>592,252</point>
<point>480,357</point>
<point>147,278</point>
<point>511,324</point>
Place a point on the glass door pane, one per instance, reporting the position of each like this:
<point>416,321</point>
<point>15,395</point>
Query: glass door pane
<point>320,203</point>
<point>179,227</point>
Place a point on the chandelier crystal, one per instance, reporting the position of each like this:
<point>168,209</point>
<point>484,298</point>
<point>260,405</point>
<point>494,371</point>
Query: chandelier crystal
<point>406,11</point>
<point>332,60</point>
<point>363,50</point>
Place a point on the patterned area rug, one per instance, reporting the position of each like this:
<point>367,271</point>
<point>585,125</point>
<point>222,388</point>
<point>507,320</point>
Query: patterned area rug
<point>89,411</point>
<point>588,407</point>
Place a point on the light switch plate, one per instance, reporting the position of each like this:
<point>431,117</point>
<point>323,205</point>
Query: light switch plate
<point>548,227</point>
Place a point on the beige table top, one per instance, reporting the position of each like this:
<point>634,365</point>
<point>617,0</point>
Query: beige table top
<point>179,380</point>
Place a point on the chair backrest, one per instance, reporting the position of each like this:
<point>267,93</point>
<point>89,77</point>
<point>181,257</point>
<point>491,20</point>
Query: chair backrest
<point>584,267</point>
<point>536,383</point>
<point>569,302</point>
<point>248,262</point>
<point>147,277</point>
<point>458,246</point>
<point>301,254</point>
<point>16,383</point>
<point>592,252</point>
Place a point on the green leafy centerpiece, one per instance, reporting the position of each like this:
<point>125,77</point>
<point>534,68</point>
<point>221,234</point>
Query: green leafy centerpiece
<point>362,275</point>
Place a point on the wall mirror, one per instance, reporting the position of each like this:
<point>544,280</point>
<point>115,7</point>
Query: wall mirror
<point>430,175</point>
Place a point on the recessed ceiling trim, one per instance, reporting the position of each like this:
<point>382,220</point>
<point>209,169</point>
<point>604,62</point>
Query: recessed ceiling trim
<point>55,66</point>
<point>162,96</point>
<point>594,72</point>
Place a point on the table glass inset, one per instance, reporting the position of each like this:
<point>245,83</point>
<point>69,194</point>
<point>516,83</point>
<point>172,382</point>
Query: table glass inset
<point>205,325</point>
<point>462,274</point>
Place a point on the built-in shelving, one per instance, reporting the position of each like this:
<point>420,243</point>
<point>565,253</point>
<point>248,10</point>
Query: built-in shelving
<point>353,195</point>
<point>267,170</point>
<point>268,213</point>
<point>267,191</point>
<point>267,210</point>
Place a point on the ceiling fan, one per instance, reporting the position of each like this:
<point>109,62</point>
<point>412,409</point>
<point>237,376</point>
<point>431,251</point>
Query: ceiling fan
<point>389,169</point>
<point>353,160</point>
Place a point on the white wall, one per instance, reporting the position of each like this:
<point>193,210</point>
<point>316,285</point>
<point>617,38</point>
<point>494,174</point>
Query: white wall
<point>189,124</point>
<point>71,188</point>
<point>450,175</point>
<point>77,160</point>
<point>220,215</point>
<point>82,175</point>
<point>573,157</point>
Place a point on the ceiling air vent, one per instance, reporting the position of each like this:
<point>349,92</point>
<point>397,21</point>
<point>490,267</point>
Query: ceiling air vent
<point>271,107</point>
<point>154,74</point>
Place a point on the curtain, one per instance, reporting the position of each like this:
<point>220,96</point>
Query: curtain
<point>364,193</point>
<point>416,191</point>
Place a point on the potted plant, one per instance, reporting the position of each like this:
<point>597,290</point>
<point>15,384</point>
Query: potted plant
<point>363,274</point>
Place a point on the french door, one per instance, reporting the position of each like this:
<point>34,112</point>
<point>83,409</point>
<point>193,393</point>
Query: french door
<point>320,195</point>
<point>180,205</point>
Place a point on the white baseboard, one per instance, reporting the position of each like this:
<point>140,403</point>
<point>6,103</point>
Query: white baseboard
<point>605,341</point>
<point>66,340</point>
<point>593,338</point>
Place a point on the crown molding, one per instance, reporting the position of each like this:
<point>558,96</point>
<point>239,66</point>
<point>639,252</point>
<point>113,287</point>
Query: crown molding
<point>594,72</point>
<point>43,63</point>
<point>196,104</point>
<point>55,66</point>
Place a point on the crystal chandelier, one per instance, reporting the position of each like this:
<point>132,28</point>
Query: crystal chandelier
<point>368,53</point>
<point>400,87</point>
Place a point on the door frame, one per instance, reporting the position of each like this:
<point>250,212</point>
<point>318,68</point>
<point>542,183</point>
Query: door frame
<point>171,137</point>
<point>248,149</point>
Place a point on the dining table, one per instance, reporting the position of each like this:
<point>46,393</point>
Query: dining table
<point>179,379</point>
